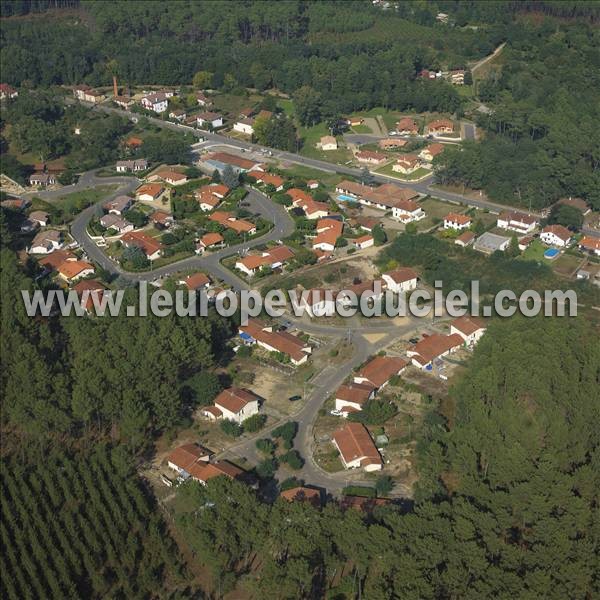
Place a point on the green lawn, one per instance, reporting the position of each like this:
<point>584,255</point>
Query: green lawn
<point>418,174</point>
<point>233,105</point>
<point>287,106</point>
<point>362,129</point>
<point>328,179</point>
<point>535,251</point>
<point>311,136</point>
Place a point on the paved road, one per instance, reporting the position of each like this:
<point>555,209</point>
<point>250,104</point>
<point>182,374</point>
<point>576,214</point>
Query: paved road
<point>423,187</point>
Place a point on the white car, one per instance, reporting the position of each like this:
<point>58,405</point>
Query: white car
<point>335,412</point>
<point>393,132</point>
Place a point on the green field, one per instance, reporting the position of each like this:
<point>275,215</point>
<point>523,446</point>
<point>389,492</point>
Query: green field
<point>418,174</point>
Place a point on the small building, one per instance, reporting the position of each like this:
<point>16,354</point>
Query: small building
<point>406,164</point>
<point>328,232</point>
<point>202,99</point>
<point>440,127</point>
<point>211,119</point>
<point>42,179</point>
<point>328,142</point>
<point>184,457</point>
<point>72,270</point>
<point>556,235</point>
<point>302,494</point>
<point>157,102</point>
<point>466,238</point>
<point>116,222</point>
<point>401,280</point>
<point>364,241</point>
<point>89,292</point>
<point>370,157</point>
<point>86,94</point>
<point>151,247</point>
<point>378,371</point>
<point>407,211</point>
<point>119,205</point>
<point>267,179</point>
<point>351,398</point>
<point>39,217</point>
<point>587,244</point>
<point>46,242</point>
<point>391,143</point>
<point>197,281</point>
<point>245,126</point>
<point>470,329</point>
<point>356,448</point>
<point>209,240</point>
<point>407,126</point>
<point>178,115</point>
<point>7,92</point>
<point>432,347</point>
<point>433,150</point>
<point>312,184</point>
<point>124,166</point>
<point>149,192</point>
<point>234,404</point>
<point>125,102</point>
<point>457,221</point>
<point>161,219</point>
<point>488,243</point>
<point>517,221</point>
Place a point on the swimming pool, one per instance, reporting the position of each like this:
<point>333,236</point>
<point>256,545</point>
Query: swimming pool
<point>551,253</point>
<point>345,198</point>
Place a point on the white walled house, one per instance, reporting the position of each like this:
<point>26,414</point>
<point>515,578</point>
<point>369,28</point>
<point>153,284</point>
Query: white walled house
<point>470,329</point>
<point>356,448</point>
<point>234,404</point>
<point>556,235</point>
<point>46,242</point>
<point>210,118</point>
<point>457,221</point>
<point>365,241</point>
<point>157,103</point>
<point>516,221</point>
<point>245,126</point>
<point>407,211</point>
<point>400,280</point>
<point>350,398</point>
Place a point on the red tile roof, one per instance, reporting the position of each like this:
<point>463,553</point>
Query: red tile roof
<point>187,455</point>
<point>435,345</point>
<point>138,238</point>
<point>234,399</point>
<point>559,231</point>
<point>381,369</point>
<point>193,282</point>
<point>210,239</point>
<point>467,324</point>
<point>402,274</point>
<point>354,442</point>
<point>72,268</point>
<point>457,218</point>
<point>302,494</point>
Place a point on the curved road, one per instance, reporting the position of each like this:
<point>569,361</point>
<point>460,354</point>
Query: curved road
<point>323,384</point>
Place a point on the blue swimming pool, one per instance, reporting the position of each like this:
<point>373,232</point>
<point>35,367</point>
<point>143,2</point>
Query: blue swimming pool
<point>551,253</point>
<point>345,198</point>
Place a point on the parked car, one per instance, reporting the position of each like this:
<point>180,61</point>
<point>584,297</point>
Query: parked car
<point>393,132</point>
<point>295,398</point>
<point>414,340</point>
<point>335,413</point>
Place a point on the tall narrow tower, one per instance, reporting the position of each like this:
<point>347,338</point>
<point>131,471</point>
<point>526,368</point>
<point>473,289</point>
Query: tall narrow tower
<point>115,89</point>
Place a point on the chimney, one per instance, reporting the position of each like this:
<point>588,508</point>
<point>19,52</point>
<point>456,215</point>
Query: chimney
<point>115,89</point>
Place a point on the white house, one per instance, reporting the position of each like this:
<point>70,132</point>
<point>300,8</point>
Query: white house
<point>123,166</point>
<point>157,102</point>
<point>365,241</point>
<point>245,126</point>
<point>432,347</point>
<point>516,221</point>
<point>45,242</point>
<point>210,118</point>
<point>318,302</point>
<point>328,142</point>
<point>356,448</point>
<point>112,221</point>
<point>587,243</point>
<point>234,404</point>
<point>470,329</point>
<point>350,398</point>
<point>407,211</point>
<point>184,457</point>
<point>556,235</point>
<point>72,270</point>
<point>400,280</point>
<point>457,221</point>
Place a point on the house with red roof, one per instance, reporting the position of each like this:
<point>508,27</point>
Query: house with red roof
<point>196,281</point>
<point>351,398</point>
<point>151,247</point>
<point>302,494</point>
<point>470,329</point>
<point>401,280</point>
<point>432,347</point>
<point>407,126</point>
<point>433,150</point>
<point>357,449</point>
<point>378,371</point>
<point>209,240</point>
<point>234,404</point>
<point>364,241</point>
<point>406,164</point>
<point>457,221</point>
<point>556,235</point>
<point>328,232</point>
<point>590,244</point>
<point>72,270</point>
<point>89,289</point>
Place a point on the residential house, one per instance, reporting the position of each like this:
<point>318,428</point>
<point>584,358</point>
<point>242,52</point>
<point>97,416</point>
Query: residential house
<point>356,448</point>
<point>168,176</point>
<point>116,222</point>
<point>125,102</point>
<point>261,334</point>
<point>267,179</point>
<point>440,127</point>
<point>470,329</point>
<point>274,258</point>
<point>157,102</point>
<point>312,184</point>
<point>407,211</point>
<point>318,302</point>
<point>556,235</point>
<point>89,289</point>
<point>400,280</point>
<point>367,223</point>
<point>52,261</point>
<point>245,126</point>
<point>184,457</point>
<point>87,94</point>
<point>210,196</point>
<point>433,347</point>
<point>119,205</point>
<point>72,270</point>
<point>406,163</point>
<point>433,150</point>
<point>123,166</point>
<point>211,119</point>
<point>525,242</point>
<point>226,219</point>
<point>378,371</point>
<point>7,92</point>
<point>407,126</point>
<point>161,219</point>
<point>204,472</point>
<point>302,494</point>
<point>391,143</point>
<point>586,243</point>
<point>133,142</point>
<point>42,179</point>
<point>466,238</point>
<point>203,100</point>
<point>370,157</point>
<point>312,209</point>
<point>578,203</point>
<point>355,121</point>
<point>384,197</point>
<point>234,404</point>
<point>328,142</point>
<point>209,240</point>
<point>220,160</point>
<point>350,398</point>
<point>149,192</point>
<point>328,232</point>
<point>488,243</point>
<point>457,221</point>
<point>364,241</point>
<point>35,219</point>
<point>516,221</point>
<point>151,247</point>
<point>46,242</point>
<point>197,281</point>
<point>457,77</point>
<point>178,115</point>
